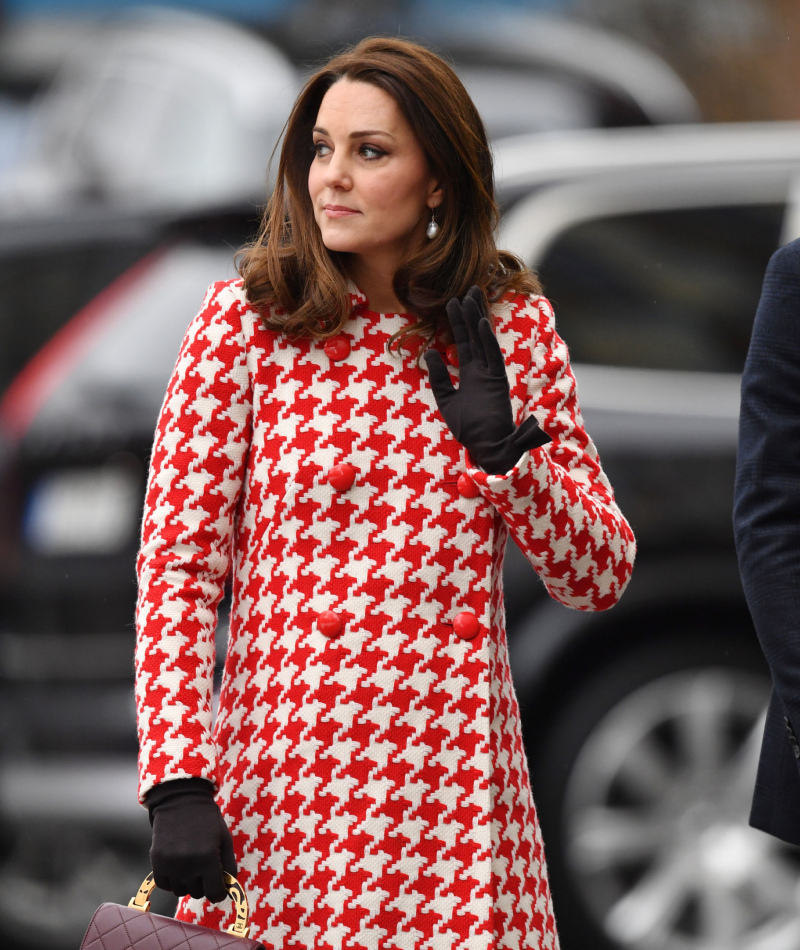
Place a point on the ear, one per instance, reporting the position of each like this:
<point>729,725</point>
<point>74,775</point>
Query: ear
<point>435,194</point>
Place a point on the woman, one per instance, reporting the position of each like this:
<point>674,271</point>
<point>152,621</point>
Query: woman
<point>367,756</point>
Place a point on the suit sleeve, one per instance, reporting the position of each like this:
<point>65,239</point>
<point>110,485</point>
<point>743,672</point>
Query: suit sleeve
<point>196,474</point>
<point>766,514</point>
<point>557,502</point>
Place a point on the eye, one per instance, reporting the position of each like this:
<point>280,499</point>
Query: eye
<point>371,152</point>
<point>320,149</point>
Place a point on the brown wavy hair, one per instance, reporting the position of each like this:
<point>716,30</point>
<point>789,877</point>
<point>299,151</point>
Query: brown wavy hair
<point>300,287</point>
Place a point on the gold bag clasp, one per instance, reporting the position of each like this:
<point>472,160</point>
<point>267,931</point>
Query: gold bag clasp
<point>239,928</point>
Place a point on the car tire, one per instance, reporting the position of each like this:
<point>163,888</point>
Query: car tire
<point>643,787</point>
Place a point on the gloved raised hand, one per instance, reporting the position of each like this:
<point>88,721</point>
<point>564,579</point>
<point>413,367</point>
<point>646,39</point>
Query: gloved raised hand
<point>479,412</point>
<point>192,845</point>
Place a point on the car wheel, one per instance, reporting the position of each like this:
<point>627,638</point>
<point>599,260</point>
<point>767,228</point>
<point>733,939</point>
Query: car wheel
<point>644,792</point>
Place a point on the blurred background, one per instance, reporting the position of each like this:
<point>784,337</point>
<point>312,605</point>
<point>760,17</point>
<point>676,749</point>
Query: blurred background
<point>648,164</point>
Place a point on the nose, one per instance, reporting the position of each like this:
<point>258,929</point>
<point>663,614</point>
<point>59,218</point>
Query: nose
<point>337,172</point>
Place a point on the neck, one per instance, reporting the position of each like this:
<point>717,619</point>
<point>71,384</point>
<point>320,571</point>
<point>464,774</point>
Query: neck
<point>374,279</point>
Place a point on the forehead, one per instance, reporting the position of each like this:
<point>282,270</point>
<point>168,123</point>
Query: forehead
<point>360,106</point>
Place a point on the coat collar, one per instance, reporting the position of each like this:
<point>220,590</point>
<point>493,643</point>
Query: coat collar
<point>357,298</point>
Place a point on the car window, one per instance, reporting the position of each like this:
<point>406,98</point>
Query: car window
<point>675,289</point>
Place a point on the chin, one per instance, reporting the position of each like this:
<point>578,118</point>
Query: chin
<point>342,243</point>
<point>337,241</point>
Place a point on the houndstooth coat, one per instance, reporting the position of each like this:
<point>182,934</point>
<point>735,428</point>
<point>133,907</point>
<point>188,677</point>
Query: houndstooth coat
<point>367,749</point>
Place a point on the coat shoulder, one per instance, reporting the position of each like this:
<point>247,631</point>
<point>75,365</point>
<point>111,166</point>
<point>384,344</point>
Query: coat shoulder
<point>526,316</point>
<point>787,258</point>
<point>226,303</point>
<point>776,327</point>
<point>525,326</point>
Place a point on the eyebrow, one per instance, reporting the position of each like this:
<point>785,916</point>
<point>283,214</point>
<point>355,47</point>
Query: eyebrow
<point>356,135</point>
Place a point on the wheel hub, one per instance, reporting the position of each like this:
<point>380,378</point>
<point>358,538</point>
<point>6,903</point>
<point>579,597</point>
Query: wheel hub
<point>656,813</point>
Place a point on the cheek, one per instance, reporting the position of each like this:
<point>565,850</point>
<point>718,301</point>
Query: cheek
<point>313,180</point>
<point>417,188</point>
<point>401,193</point>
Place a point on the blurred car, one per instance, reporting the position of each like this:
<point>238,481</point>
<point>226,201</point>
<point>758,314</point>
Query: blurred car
<point>152,110</point>
<point>141,118</point>
<point>535,72</point>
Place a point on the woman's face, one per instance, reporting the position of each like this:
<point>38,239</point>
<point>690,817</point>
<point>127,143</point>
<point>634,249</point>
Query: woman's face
<point>370,183</point>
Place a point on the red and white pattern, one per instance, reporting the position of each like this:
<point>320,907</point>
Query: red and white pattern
<point>374,781</point>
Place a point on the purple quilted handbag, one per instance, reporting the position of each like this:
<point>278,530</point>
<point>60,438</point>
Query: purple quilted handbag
<point>115,927</point>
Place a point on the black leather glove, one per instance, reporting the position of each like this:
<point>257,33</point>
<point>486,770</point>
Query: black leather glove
<point>479,412</point>
<point>192,845</point>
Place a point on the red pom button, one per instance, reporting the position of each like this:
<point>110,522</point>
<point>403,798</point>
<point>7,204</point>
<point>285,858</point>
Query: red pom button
<point>466,625</point>
<point>329,624</point>
<point>337,348</point>
<point>467,487</point>
<point>452,354</point>
<point>342,476</point>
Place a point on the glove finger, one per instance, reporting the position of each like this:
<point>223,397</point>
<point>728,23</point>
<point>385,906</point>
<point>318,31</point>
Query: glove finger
<point>179,887</point>
<point>473,315</point>
<point>196,888</point>
<point>441,384</point>
<point>495,362</point>
<point>475,294</point>
<point>160,875</point>
<point>162,881</point>
<point>460,332</point>
<point>213,887</point>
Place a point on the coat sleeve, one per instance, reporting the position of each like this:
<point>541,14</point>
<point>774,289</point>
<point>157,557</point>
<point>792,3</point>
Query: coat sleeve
<point>766,515</point>
<point>196,474</point>
<point>557,502</point>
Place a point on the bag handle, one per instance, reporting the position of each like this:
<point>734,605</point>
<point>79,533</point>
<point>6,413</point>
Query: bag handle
<point>238,928</point>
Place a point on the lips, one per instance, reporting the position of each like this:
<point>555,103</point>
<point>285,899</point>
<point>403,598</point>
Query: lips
<point>340,211</point>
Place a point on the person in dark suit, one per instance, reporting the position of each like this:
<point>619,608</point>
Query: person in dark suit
<point>766,522</point>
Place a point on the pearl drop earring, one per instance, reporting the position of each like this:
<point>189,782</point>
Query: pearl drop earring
<point>433,228</point>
